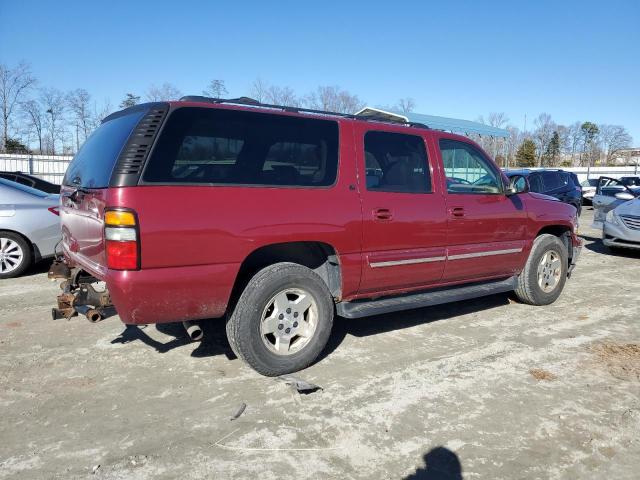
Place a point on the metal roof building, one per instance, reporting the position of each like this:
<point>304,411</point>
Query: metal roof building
<point>453,125</point>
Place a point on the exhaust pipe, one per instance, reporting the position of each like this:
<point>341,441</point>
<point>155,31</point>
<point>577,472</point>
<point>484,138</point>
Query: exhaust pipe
<point>94,316</point>
<point>193,330</point>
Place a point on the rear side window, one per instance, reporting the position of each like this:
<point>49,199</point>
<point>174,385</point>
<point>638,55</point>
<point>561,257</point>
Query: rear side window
<point>94,162</point>
<point>210,146</point>
<point>396,162</point>
<point>554,180</point>
<point>535,183</point>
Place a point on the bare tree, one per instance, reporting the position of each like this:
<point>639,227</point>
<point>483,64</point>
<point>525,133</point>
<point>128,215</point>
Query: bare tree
<point>282,96</point>
<point>332,99</point>
<point>53,103</point>
<point>574,137</point>
<point>78,101</point>
<point>613,139</point>
<point>14,83</point>
<point>259,90</point>
<point>163,93</point>
<point>513,141</point>
<point>35,119</point>
<point>216,89</point>
<point>542,134</point>
<point>406,105</point>
<point>493,145</point>
<point>99,113</point>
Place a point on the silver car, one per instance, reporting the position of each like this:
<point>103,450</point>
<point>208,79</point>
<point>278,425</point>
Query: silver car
<point>610,193</point>
<point>621,228</point>
<point>29,227</point>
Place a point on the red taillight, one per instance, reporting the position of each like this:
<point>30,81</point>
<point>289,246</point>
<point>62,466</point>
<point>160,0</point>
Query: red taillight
<point>54,210</point>
<point>121,239</point>
<point>122,255</point>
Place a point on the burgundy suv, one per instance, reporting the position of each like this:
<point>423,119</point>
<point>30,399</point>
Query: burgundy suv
<point>277,219</point>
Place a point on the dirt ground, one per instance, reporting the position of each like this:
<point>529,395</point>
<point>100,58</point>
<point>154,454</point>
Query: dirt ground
<point>482,389</point>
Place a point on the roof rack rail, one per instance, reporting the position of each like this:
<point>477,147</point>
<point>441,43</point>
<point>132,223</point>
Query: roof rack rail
<point>255,103</point>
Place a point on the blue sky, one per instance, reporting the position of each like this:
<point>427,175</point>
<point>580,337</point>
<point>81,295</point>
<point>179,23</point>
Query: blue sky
<point>574,60</point>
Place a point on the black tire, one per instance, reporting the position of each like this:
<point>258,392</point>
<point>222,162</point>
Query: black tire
<point>529,290</point>
<point>27,255</point>
<point>244,324</point>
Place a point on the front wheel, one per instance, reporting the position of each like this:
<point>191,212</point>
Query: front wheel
<point>545,273</point>
<point>282,320</point>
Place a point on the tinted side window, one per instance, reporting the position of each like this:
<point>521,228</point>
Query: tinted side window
<point>396,162</point>
<point>554,180</point>
<point>467,170</point>
<point>204,145</point>
<point>94,162</point>
<point>535,183</point>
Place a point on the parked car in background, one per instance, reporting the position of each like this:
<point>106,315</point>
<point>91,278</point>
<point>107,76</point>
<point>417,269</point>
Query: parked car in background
<point>621,228</point>
<point>31,181</point>
<point>630,181</point>
<point>29,226</point>
<point>589,187</point>
<point>256,214</point>
<point>556,183</point>
<point>610,193</point>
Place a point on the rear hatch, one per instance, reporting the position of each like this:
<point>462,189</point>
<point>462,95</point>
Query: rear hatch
<point>89,182</point>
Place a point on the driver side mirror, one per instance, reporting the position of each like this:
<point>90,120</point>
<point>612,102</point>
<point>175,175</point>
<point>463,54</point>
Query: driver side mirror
<point>517,184</point>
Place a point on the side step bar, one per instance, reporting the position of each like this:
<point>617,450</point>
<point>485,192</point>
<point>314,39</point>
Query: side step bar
<point>365,308</point>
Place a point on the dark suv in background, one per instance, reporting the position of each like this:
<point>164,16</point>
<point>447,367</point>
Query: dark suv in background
<point>560,184</point>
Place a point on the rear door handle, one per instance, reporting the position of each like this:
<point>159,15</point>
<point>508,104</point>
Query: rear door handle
<point>382,214</point>
<point>457,212</point>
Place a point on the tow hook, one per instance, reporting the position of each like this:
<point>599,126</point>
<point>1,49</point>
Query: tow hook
<point>78,294</point>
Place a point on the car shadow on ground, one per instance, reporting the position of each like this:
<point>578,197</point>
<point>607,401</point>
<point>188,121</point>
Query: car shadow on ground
<point>37,268</point>
<point>595,245</point>
<point>214,341</point>
<point>375,325</point>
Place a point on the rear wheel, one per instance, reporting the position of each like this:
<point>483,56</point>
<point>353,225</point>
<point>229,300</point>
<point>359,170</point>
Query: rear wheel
<point>282,320</point>
<point>15,255</point>
<point>545,273</point>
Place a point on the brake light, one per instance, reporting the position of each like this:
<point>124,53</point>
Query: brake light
<point>54,210</point>
<point>121,240</point>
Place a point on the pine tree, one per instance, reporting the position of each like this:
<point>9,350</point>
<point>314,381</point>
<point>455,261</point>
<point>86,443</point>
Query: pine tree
<point>526,154</point>
<point>553,149</point>
<point>130,100</point>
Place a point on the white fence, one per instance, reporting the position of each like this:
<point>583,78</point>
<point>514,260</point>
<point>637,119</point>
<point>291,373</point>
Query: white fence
<point>47,167</point>
<point>52,168</point>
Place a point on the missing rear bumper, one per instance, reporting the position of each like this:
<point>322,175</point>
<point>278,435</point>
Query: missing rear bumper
<point>79,294</point>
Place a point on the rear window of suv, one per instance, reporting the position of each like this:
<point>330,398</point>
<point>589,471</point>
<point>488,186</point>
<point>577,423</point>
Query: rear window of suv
<point>93,164</point>
<point>215,146</point>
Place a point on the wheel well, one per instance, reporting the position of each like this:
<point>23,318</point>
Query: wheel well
<point>35,253</point>
<point>563,233</point>
<point>320,257</point>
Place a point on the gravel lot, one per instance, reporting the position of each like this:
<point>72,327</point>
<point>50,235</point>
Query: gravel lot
<point>482,389</point>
